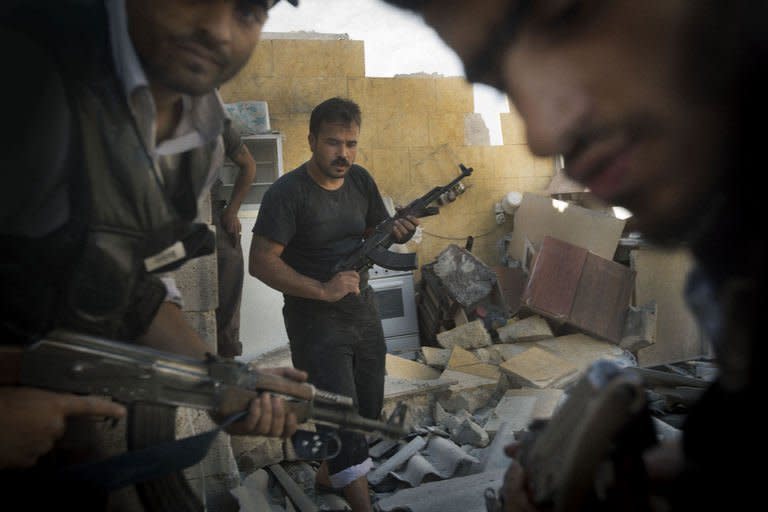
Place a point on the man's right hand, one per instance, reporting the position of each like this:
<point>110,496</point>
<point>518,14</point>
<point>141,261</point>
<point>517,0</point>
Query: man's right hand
<point>513,491</point>
<point>31,420</point>
<point>341,285</point>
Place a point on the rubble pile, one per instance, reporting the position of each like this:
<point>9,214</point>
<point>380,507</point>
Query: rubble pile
<point>502,348</point>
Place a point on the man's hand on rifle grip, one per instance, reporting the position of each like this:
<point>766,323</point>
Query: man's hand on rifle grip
<point>403,229</point>
<point>267,414</point>
<point>341,285</point>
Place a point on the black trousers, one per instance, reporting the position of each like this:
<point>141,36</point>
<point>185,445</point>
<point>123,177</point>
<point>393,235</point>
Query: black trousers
<point>341,345</point>
<point>231,269</point>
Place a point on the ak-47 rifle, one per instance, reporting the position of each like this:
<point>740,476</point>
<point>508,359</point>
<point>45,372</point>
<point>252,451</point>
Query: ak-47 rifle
<point>76,363</point>
<point>154,384</point>
<point>588,455</point>
<point>374,249</point>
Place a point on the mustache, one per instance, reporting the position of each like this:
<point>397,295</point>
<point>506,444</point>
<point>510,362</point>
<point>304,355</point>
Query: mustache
<point>340,161</point>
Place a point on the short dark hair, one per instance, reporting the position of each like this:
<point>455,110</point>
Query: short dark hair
<point>334,110</point>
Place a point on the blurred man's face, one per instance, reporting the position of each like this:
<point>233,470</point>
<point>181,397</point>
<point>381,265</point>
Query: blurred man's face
<point>334,148</point>
<point>601,82</point>
<point>193,46</point>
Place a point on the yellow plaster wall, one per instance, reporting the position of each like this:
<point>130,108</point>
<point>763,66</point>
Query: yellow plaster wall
<point>411,139</point>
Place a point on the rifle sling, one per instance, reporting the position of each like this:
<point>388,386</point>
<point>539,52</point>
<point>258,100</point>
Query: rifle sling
<point>147,463</point>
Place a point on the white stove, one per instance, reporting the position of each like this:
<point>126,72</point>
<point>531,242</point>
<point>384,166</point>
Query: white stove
<point>395,297</point>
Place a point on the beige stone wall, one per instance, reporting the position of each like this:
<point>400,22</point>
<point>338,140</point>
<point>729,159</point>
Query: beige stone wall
<point>412,137</point>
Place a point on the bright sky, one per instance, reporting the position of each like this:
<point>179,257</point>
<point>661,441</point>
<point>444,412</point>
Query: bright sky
<point>396,42</point>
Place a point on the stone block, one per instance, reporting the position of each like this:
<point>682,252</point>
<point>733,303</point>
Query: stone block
<point>582,350</point>
<point>466,362</point>
<point>471,392</point>
<point>512,128</point>
<point>507,350</point>
<point>471,335</point>
<point>404,368</point>
<point>437,357</point>
<point>454,94</point>
<point>466,278</point>
<point>391,170</point>
<point>307,93</point>
<point>329,58</point>
<point>514,161</point>
<point>533,328</point>
<point>539,368</point>
<point>446,128</point>
<point>398,128</point>
<point>404,93</point>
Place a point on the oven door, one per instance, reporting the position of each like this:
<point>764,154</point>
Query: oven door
<point>396,302</point>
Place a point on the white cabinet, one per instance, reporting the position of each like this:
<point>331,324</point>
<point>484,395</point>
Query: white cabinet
<point>267,151</point>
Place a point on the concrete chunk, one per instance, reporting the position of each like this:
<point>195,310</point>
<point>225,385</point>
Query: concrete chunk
<point>377,475</point>
<point>466,362</point>
<point>518,407</point>
<point>405,368</point>
<point>533,328</point>
<point>539,368</point>
<point>437,357</point>
<point>470,335</point>
<point>470,391</point>
<point>467,279</point>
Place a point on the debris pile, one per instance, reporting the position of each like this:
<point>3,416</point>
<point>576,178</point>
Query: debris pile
<point>502,348</point>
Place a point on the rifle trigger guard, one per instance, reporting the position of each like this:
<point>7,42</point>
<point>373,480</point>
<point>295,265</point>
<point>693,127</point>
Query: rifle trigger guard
<point>316,445</point>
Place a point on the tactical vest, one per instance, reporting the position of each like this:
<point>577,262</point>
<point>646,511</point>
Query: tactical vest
<point>96,273</point>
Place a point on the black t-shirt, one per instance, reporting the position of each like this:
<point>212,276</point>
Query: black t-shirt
<point>317,226</point>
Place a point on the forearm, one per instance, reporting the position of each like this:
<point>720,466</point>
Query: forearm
<point>170,332</point>
<point>241,187</point>
<point>275,273</point>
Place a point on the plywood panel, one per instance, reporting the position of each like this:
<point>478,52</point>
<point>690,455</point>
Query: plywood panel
<point>661,276</point>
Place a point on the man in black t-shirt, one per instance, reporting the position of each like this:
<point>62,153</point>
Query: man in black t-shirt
<point>309,219</point>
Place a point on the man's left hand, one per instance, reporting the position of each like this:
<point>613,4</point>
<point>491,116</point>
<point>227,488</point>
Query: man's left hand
<point>404,228</point>
<point>231,224</point>
<point>267,414</point>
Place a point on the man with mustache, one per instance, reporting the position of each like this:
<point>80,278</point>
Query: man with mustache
<point>309,219</point>
<point>658,108</point>
<point>118,132</point>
